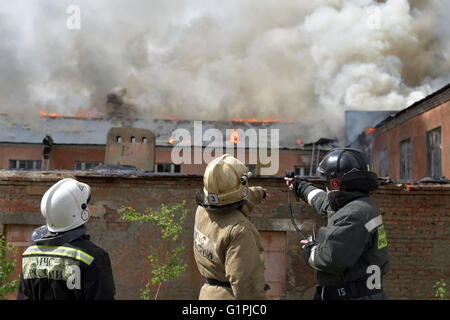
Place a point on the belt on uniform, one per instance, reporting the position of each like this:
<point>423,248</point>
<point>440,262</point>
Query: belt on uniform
<point>214,282</point>
<point>351,290</point>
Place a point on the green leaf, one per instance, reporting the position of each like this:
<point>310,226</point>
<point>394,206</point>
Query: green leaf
<point>170,264</point>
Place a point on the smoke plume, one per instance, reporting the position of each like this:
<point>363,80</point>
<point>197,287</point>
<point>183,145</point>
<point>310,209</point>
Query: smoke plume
<point>307,61</point>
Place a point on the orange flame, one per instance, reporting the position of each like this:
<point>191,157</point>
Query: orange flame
<point>170,140</point>
<point>234,136</point>
<point>86,113</point>
<point>259,121</point>
<point>369,130</point>
<point>51,115</point>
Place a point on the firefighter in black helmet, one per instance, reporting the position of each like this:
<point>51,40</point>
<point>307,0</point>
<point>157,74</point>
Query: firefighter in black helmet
<point>350,252</point>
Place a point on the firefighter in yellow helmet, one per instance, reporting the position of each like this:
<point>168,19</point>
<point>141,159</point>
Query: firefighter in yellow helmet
<point>227,246</point>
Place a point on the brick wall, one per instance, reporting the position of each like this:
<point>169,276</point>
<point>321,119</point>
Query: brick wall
<point>416,217</point>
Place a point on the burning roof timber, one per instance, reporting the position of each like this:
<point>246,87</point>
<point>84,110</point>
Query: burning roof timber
<point>93,131</point>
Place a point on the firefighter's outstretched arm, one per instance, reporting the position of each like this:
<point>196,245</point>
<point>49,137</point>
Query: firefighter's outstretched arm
<point>315,197</point>
<point>255,196</point>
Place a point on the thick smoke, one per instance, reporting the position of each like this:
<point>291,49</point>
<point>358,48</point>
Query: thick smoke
<point>279,59</point>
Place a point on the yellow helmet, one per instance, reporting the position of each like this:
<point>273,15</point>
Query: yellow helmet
<point>225,181</point>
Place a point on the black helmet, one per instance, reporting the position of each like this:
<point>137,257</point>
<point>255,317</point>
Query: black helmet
<point>347,169</point>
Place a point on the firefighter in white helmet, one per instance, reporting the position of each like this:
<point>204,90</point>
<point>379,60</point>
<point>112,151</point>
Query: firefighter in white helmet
<point>63,263</point>
<point>227,246</point>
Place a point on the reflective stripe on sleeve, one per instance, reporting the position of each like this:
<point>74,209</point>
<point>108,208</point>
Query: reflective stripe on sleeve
<point>59,251</point>
<point>373,223</point>
<point>312,194</point>
<point>311,258</point>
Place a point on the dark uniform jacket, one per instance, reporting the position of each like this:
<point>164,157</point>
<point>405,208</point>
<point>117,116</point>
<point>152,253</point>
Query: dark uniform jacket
<point>352,245</point>
<point>53,269</point>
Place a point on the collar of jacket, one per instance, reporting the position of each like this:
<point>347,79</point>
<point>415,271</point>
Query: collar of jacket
<point>60,238</point>
<point>209,207</point>
<point>339,198</point>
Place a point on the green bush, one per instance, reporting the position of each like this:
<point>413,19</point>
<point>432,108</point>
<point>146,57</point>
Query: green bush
<point>441,290</point>
<point>7,265</point>
<point>171,265</point>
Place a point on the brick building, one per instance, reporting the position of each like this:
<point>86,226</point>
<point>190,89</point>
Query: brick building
<point>79,143</point>
<point>415,142</point>
<point>415,214</point>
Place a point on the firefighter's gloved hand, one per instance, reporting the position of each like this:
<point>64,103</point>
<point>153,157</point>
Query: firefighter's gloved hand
<point>308,244</point>
<point>266,196</point>
<point>299,187</point>
<point>301,190</point>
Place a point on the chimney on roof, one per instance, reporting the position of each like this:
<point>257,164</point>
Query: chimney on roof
<point>131,146</point>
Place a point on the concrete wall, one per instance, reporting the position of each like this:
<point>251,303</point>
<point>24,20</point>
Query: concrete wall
<point>416,217</point>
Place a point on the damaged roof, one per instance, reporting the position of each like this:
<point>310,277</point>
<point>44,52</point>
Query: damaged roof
<point>93,131</point>
<point>429,102</point>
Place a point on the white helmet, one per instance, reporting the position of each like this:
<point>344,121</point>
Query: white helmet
<point>65,205</point>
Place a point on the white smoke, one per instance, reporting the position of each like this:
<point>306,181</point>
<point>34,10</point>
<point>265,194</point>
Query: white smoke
<point>296,60</point>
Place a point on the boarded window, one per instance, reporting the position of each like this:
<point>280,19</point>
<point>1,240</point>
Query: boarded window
<point>252,168</point>
<point>302,171</point>
<point>86,165</point>
<point>434,160</point>
<point>405,159</point>
<point>383,163</point>
<point>25,164</point>
<point>167,168</point>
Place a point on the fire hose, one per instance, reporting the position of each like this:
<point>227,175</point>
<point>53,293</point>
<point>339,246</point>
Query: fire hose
<point>291,174</point>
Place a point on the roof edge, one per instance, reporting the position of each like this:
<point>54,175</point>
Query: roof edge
<point>427,103</point>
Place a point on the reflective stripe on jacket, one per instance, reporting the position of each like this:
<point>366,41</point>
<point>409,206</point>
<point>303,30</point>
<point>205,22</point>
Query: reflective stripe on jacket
<point>353,240</point>
<point>78,270</point>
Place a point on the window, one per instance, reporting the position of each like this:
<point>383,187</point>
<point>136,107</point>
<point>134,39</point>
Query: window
<point>252,168</point>
<point>405,159</point>
<point>434,160</point>
<point>167,168</point>
<point>383,163</point>
<point>302,171</point>
<point>25,164</point>
<point>85,165</point>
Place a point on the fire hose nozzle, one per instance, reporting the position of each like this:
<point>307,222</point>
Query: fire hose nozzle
<point>291,174</point>
<point>245,177</point>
